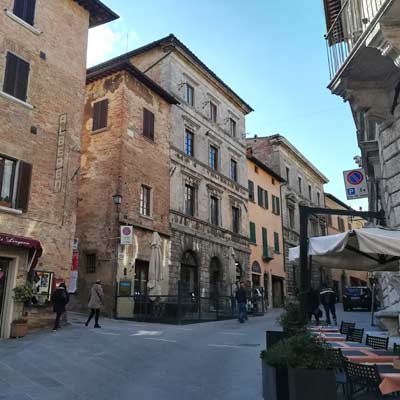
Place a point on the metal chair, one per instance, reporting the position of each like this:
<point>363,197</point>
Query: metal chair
<point>355,335</point>
<point>377,342</point>
<point>344,327</point>
<point>338,363</point>
<point>396,348</point>
<point>363,378</point>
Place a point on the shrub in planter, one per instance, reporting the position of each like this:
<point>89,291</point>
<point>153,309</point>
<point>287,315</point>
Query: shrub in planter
<point>292,320</point>
<point>305,363</point>
<point>19,328</point>
<point>22,294</point>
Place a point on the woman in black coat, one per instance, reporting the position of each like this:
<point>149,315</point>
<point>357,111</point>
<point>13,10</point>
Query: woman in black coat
<point>60,299</point>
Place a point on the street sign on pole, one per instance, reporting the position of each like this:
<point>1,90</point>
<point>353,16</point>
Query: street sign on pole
<point>126,234</point>
<point>355,183</point>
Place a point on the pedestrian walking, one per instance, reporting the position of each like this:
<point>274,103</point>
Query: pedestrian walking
<point>328,300</point>
<point>60,299</point>
<point>241,298</point>
<point>313,306</point>
<point>95,303</point>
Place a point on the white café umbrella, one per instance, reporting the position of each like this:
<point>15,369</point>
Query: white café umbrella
<point>155,265</point>
<point>365,249</point>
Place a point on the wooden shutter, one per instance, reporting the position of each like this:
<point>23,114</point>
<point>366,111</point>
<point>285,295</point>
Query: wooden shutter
<point>276,242</point>
<point>21,86</point>
<point>278,206</point>
<point>260,196</point>
<point>23,186</point>
<point>332,10</point>
<point>253,238</point>
<point>265,242</point>
<point>266,200</point>
<point>30,11</point>
<point>251,190</point>
<point>10,74</point>
<point>100,115</point>
<point>18,10</point>
<point>148,124</point>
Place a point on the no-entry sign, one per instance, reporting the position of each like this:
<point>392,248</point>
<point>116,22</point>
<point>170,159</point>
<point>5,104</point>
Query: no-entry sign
<point>355,183</point>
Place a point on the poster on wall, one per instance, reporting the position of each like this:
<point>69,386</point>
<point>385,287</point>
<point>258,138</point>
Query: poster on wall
<point>73,276</point>
<point>43,283</point>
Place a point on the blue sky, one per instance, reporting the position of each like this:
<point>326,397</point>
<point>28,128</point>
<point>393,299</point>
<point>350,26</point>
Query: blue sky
<point>271,53</point>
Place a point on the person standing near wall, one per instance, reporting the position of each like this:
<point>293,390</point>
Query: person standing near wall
<point>95,303</point>
<point>60,299</point>
<point>241,298</point>
<point>328,300</point>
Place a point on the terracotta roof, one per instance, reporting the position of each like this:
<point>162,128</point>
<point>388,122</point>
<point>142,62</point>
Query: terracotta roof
<point>99,12</point>
<point>125,65</point>
<point>172,40</point>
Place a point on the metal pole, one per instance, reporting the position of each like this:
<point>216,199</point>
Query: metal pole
<point>373,304</point>
<point>304,281</point>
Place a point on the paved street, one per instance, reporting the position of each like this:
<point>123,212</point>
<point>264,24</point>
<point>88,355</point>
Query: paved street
<point>125,360</point>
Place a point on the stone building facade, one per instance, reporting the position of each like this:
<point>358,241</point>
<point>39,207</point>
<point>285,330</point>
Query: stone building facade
<point>42,80</point>
<point>337,224</point>
<point>304,184</point>
<point>208,175</point>
<point>266,232</point>
<point>125,152</point>
<point>363,49</point>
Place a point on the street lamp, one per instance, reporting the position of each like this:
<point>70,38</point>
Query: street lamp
<point>117,199</point>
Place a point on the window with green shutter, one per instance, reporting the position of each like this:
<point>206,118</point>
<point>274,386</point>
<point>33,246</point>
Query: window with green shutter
<point>265,242</point>
<point>260,193</point>
<point>276,242</point>
<point>251,190</point>
<point>253,238</point>
<point>266,201</point>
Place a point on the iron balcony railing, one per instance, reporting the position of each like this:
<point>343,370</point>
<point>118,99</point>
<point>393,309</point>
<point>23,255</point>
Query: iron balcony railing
<point>347,21</point>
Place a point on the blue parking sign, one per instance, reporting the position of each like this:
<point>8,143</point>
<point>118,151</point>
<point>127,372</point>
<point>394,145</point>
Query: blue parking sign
<point>351,191</point>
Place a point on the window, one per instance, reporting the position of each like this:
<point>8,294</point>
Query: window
<point>309,192</point>
<point>314,228</point>
<point>145,201</point>
<point>251,190</point>
<point>189,141</point>
<point>214,210</point>
<point>253,238</point>
<point>291,216</point>
<point>232,127</point>
<point>235,219</point>
<point>260,194</point>
<point>288,175</point>
<point>233,172</point>
<point>276,243</point>
<point>276,206</point>
<point>16,77</point>
<point>148,124</point>
<point>213,112</point>
<point>266,202</point>
<point>90,263</point>
<point>319,198</point>
<point>213,158</point>
<point>264,243</point>
<point>329,220</point>
<point>189,200</point>
<point>341,224</point>
<point>25,9</point>
<point>100,115</point>
<point>189,95</point>
<point>15,182</point>
<point>300,184</point>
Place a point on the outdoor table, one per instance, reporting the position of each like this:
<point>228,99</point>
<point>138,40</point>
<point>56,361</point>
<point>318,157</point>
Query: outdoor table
<point>390,379</point>
<point>368,355</point>
<point>347,345</point>
<point>333,336</point>
<point>323,329</point>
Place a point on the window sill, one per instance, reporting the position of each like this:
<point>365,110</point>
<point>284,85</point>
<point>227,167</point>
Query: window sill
<point>99,130</point>
<point>149,217</point>
<point>20,21</point>
<point>9,210</point>
<point>12,98</point>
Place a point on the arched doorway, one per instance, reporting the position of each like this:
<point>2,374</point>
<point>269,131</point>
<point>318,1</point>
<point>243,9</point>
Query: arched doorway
<point>215,278</point>
<point>189,274</point>
<point>256,274</point>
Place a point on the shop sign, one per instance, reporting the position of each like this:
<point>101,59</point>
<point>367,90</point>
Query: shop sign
<point>62,129</point>
<point>126,234</point>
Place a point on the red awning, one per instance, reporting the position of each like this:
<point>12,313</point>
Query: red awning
<point>34,246</point>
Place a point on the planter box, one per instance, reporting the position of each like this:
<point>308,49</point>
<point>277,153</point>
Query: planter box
<point>19,329</point>
<point>275,382</point>
<point>310,384</point>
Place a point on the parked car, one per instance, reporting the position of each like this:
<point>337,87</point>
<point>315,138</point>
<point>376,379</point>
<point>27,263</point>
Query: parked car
<point>358,297</point>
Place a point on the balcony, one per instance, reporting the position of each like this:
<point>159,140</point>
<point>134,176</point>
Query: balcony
<point>349,23</point>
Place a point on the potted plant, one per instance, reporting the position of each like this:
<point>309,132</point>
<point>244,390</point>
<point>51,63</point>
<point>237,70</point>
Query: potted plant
<point>292,320</point>
<point>22,295</point>
<point>298,368</point>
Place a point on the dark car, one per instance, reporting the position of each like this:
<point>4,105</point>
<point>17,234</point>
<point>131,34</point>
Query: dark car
<point>357,297</point>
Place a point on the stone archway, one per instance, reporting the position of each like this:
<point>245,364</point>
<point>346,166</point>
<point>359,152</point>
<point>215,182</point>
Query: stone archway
<point>189,274</point>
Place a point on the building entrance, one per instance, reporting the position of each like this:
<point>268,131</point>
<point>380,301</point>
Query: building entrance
<point>4,265</point>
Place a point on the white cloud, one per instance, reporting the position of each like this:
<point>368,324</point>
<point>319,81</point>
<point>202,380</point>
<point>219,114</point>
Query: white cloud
<point>105,43</point>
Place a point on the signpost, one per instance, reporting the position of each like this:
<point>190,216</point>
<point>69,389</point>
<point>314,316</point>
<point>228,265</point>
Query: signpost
<point>126,234</point>
<point>355,183</point>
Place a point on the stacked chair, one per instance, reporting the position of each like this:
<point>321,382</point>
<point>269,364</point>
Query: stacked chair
<point>355,335</point>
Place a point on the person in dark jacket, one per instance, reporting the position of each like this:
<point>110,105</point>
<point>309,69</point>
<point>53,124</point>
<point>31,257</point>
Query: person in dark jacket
<point>328,300</point>
<point>313,305</point>
<point>241,298</point>
<point>60,299</point>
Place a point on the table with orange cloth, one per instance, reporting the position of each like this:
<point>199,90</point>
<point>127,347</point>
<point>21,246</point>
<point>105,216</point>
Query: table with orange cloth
<point>390,379</point>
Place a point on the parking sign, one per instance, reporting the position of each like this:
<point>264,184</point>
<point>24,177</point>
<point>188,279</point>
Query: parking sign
<point>355,183</point>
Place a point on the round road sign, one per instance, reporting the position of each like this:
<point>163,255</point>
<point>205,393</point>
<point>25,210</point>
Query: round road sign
<point>355,177</point>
